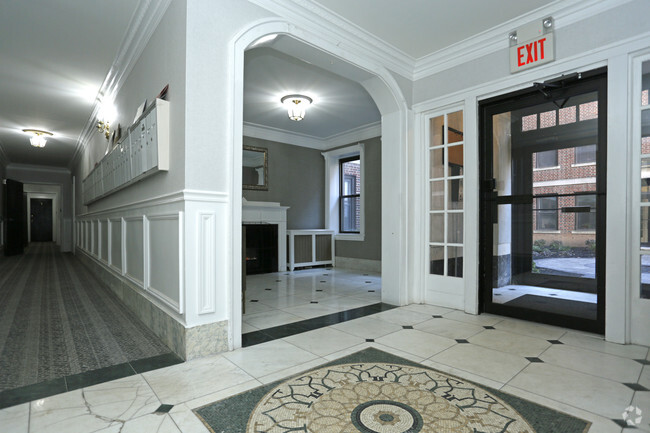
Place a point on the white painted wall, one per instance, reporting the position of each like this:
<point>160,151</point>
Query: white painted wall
<point>605,39</point>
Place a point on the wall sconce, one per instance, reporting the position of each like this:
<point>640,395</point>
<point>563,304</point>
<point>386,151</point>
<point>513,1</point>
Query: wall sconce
<point>296,106</point>
<point>37,139</point>
<point>104,127</point>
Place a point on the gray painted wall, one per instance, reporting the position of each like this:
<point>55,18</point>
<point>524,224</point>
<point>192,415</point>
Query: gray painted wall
<point>296,179</point>
<point>370,248</point>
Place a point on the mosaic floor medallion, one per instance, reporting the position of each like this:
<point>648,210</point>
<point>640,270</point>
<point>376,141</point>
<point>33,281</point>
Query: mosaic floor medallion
<point>382,398</point>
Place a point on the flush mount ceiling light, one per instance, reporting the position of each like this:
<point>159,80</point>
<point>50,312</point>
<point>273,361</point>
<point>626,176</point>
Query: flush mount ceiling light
<point>37,139</point>
<point>296,105</point>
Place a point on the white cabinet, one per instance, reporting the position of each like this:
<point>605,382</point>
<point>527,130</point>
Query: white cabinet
<point>143,151</point>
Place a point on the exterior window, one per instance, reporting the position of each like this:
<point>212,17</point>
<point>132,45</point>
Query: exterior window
<point>546,210</point>
<point>586,220</point>
<point>546,159</point>
<point>585,154</point>
<point>446,175</point>
<point>350,195</point>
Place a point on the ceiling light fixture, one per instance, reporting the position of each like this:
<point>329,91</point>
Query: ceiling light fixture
<point>37,139</point>
<point>296,105</point>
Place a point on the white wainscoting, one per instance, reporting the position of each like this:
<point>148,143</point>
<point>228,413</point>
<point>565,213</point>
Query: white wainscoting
<point>146,249</point>
<point>206,271</point>
<point>103,240</point>
<point>163,270</point>
<point>133,249</point>
<point>115,246</point>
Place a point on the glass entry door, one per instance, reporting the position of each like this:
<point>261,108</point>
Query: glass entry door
<point>543,201</point>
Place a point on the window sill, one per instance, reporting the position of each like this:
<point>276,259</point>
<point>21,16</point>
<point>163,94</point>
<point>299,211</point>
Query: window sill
<point>546,168</point>
<point>583,232</point>
<point>349,237</point>
<point>584,164</point>
<point>546,231</point>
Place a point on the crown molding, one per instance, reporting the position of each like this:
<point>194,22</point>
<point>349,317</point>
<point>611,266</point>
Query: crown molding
<point>564,13</point>
<point>38,168</point>
<point>143,23</point>
<point>303,140</point>
<point>339,31</point>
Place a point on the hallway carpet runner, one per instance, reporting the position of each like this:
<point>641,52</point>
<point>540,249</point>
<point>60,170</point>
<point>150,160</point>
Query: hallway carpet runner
<point>375,392</point>
<point>57,319</point>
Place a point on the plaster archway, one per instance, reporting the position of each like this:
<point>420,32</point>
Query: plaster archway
<point>395,134</point>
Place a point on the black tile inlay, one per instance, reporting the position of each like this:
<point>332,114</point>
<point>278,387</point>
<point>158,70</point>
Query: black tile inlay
<point>24,394</point>
<point>325,275</point>
<point>278,281</point>
<point>407,327</point>
<point>323,281</point>
<point>365,275</point>
<point>268,289</point>
<point>553,294</point>
<point>164,408</point>
<point>435,316</point>
<point>368,282</point>
<point>636,387</point>
<point>555,341</point>
<point>100,375</point>
<point>533,359</point>
<point>155,362</point>
<point>497,294</point>
<point>370,340</point>
<point>462,341</point>
<point>489,327</point>
<point>371,291</point>
<point>313,302</point>
<point>319,290</point>
<point>254,300</point>
<point>512,289</point>
<point>643,361</point>
<point>621,423</point>
<point>269,334</point>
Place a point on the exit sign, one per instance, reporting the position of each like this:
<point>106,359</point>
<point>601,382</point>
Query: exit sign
<point>534,46</point>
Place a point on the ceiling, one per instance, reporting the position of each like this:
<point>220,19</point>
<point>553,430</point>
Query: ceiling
<point>56,55</point>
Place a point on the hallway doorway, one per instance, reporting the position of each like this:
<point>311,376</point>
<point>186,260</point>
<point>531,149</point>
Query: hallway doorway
<point>41,219</point>
<point>543,202</point>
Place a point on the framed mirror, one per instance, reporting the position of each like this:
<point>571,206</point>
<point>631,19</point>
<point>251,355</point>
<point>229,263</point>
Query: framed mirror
<point>255,168</point>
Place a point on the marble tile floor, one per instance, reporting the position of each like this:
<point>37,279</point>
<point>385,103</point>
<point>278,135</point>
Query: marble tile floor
<point>280,298</point>
<point>573,372</point>
<point>507,293</point>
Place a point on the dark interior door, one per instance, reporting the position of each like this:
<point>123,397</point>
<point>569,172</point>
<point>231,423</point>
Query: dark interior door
<point>15,218</point>
<point>41,219</point>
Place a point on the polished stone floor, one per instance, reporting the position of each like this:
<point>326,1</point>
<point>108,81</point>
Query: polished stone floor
<point>570,371</point>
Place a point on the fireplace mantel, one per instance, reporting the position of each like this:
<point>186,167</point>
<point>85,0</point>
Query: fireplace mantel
<point>266,212</point>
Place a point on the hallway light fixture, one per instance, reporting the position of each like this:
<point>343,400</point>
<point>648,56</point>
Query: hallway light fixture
<point>37,139</point>
<point>296,105</point>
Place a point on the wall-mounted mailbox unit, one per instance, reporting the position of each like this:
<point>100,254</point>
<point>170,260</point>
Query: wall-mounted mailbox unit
<point>143,151</point>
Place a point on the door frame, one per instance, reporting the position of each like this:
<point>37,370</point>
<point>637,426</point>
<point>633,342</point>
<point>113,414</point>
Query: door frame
<point>595,80</point>
<point>55,225</point>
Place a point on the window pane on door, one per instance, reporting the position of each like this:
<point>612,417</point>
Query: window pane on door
<point>437,260</point>
<point>455,261</point>
<point>455,127</point>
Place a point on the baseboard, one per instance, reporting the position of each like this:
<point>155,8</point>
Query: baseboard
<point>359,264</point>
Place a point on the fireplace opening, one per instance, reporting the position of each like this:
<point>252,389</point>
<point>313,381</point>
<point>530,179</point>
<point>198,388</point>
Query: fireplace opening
<point>261,248</point>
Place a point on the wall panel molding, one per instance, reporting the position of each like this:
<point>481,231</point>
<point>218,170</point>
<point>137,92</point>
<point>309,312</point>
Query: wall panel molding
<point>205,264</point>
<point>163,234</point>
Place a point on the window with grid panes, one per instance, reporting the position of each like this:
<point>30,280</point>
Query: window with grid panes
<point>445,178</point>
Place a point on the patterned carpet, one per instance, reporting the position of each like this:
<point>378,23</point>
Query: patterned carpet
<point>376,392</point>
<point>57,320</point>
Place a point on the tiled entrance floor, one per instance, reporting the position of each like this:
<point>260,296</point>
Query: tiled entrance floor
<point>574,372</point>
<point>288,297</point>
